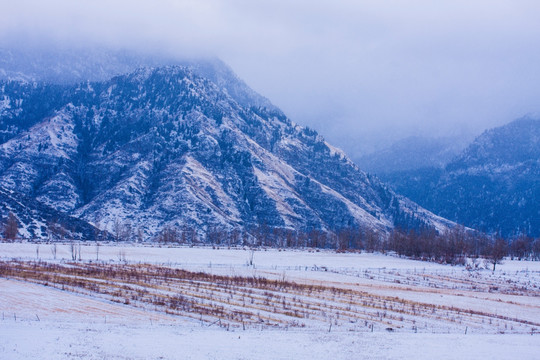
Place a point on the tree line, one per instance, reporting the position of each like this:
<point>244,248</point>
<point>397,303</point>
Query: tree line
<point>454,246</point>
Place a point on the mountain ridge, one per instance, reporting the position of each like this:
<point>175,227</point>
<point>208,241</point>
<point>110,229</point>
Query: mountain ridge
<point>167,147</point>
<point>493,185</point>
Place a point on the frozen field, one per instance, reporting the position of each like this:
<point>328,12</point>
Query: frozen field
<point>312,305</point>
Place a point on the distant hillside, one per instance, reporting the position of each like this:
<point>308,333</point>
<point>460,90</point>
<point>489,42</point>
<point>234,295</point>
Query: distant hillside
<point>493,185</point>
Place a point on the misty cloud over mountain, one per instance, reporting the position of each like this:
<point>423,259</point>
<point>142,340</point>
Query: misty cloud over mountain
<point>364,74</point>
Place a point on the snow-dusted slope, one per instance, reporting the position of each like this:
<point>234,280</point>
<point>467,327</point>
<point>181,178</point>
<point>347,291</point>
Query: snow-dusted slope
<point>71,65</point>
<point>183,146</point>
<point>36,220</point>
<point>493,185</point>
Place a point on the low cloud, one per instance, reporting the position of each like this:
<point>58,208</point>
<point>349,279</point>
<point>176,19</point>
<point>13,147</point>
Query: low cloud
<point>358,72</point>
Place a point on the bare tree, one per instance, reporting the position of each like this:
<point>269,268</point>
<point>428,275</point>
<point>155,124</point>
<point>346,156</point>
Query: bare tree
<point>140,235</point>
<point>61,231</point>
<point>521,247</point>
<point>97,230</point>
<point>11,227</point>
<point>53,251</point>
<point>122,231</point>
<point>127,231</point>
<point>498,251</point>
<point>56,230</point>
<point>168,235</point>
<point>343,240</point>
<point>73,250</point>
<point>251,254</point>
<point>233,237</point>
<point>371,240</point>
<point>536,249</point>
<point>121,255</point>
<point>117,230</point>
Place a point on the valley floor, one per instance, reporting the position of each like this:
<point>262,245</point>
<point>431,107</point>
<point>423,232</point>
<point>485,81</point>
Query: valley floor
<point>295,304</point>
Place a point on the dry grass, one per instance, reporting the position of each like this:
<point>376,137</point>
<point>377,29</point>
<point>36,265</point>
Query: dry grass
<point>236,301</point>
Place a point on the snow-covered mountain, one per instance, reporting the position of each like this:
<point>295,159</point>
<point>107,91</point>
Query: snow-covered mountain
<point>69,66</point>
<point>493,185</point>
<point>184,146</point>
<point>36,220</point>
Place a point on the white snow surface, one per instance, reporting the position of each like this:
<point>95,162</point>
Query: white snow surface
<point>98,340</point>
<point>43,322</point>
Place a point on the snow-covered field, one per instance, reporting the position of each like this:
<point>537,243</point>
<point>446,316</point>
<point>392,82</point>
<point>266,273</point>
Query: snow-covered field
<point>346,306</point>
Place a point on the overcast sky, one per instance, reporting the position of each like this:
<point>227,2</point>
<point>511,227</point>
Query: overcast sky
<point>359,72</point>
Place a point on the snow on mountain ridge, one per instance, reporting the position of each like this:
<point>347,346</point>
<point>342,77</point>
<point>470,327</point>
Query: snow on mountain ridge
<point>165,147</point>
<point>493,185</point>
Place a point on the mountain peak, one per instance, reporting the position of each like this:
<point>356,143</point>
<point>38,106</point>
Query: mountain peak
<point>186,146</point>
<point>509,144</point>
<point>491,186</point>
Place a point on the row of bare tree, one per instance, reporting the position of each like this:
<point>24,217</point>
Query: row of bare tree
<point>453,246</point>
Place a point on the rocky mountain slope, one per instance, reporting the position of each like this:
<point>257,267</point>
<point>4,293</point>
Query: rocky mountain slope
<point>493,185</point>
<point>184,146</point>
<point>36,220</point>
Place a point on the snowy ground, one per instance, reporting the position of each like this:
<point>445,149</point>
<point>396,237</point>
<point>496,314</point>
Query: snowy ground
<point>499,311</point>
